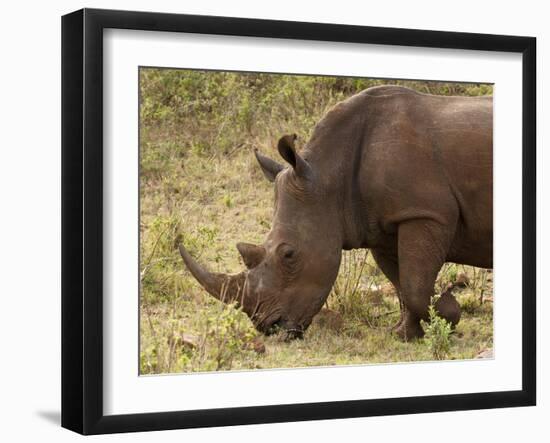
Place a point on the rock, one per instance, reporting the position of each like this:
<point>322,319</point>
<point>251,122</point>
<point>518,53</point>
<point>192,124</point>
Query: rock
<point>448,307</point>
<point>329,319</point>
<point>189,341</point>
<point>487,353</point>
<point>375,294</point>
<point>256,344</point>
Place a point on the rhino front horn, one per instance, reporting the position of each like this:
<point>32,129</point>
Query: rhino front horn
<point>225,287</point>
<point>270,168</point>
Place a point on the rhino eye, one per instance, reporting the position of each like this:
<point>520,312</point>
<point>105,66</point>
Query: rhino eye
<point>287,253</point>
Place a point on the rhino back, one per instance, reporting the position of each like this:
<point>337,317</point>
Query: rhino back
<point>390,154</point>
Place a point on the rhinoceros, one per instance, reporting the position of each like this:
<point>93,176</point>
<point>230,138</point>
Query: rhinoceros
<point>406,174</point>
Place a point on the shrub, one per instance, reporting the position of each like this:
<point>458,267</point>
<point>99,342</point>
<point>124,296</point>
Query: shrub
<point>226,335</point>
<point>438,334</point>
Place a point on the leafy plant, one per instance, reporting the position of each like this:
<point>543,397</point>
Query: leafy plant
<point>438,333</point>
<point>225,335</point>
<point>227,200</point>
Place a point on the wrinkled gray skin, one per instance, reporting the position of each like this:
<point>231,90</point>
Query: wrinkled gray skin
<point>405,174</point>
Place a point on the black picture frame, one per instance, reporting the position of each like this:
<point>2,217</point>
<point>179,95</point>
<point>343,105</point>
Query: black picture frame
<point>82,218</point>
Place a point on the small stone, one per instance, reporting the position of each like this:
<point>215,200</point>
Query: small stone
<point>487,353</point>
<point>329,319</point>
<point>189,341</point>
<point>461,281</point>
<point>256,344</point>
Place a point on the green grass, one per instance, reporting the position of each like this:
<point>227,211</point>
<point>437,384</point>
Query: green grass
<point>200,185</point>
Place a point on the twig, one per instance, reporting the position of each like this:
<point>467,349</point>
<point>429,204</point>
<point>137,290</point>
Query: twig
<point>239,146</point>
<point>384,314</point>
<point>146,267</point>
<point>358,280</point>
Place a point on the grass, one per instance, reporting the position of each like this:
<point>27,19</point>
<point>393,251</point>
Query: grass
<point>200,185</point>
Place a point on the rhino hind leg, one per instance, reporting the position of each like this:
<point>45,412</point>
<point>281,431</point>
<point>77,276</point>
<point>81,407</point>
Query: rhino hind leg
<point>422,249</point>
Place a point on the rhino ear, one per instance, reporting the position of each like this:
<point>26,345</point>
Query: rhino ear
<point>288,152</point>
<point>252,255</point>
<point>270,168</point>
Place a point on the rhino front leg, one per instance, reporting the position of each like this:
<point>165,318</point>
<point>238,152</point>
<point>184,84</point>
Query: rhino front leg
<point>422,249</point>
<point>387,262</point>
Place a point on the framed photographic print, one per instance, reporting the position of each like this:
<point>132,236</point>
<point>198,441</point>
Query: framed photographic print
<point>270,221</point>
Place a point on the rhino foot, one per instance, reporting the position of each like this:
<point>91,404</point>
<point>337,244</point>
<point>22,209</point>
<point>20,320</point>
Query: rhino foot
<point>409,330</point>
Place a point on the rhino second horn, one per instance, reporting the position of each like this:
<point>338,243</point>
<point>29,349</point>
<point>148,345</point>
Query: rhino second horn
<point>252,255</point>
<point>225,287</point>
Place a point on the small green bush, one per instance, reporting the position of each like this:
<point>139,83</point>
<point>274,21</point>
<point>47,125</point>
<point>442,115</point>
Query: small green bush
<point>226,332</point>
<point>438,334</point>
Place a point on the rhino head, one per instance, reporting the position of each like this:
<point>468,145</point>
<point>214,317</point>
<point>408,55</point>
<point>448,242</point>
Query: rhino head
<point>290,275</point>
